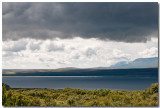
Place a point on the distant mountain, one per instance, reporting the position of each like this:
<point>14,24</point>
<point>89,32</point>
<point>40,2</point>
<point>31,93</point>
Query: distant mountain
<point>138,63</point>
<point>98,68</point>
<point>119,64</point>
<point>69,68</point>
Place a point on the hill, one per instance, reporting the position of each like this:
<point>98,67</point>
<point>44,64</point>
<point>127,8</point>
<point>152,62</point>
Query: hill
<point>138,63</point>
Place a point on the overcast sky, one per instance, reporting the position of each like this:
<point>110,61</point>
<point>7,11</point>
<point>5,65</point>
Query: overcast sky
<point>84,35</point>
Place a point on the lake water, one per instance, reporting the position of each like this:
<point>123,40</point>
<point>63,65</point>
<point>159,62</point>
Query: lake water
<point>82,82</point>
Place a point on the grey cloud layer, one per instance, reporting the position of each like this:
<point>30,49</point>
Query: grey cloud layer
<point>128,22</point>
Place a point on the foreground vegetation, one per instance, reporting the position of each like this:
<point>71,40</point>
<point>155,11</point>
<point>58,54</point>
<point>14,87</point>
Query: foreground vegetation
<point>79,97</point>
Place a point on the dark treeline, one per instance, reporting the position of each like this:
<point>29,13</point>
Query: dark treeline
<point>141,72</point>
<point>79,97</point>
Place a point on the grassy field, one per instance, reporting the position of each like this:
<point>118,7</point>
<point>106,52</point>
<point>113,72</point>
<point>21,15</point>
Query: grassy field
<point>79,97</point>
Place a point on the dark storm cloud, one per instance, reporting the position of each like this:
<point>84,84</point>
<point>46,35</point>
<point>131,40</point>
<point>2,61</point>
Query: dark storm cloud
<point>127,22</point>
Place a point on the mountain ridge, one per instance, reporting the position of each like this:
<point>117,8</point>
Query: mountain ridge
<point>138,63</point>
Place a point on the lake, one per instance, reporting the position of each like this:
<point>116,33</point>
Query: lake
<point>82,82</point>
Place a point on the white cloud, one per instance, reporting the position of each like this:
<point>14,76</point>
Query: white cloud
<point>151,52</point>
<point>34,45</point>
<point>15,46</point>
<point>77,52</point>
<point>119,54</point>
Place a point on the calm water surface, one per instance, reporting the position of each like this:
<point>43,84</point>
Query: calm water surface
<point>82,82</point>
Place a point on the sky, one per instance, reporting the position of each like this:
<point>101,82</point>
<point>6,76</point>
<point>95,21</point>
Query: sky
<point>83,35</point>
